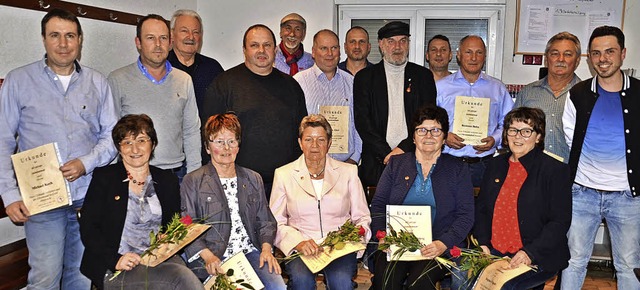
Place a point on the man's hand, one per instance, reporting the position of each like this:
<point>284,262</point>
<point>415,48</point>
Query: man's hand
<point>17,212</point>
<point>454,141</point>
<point>488,144</point>
<point>395,151</point>
<point>212,262</point>
<point>72,170</point>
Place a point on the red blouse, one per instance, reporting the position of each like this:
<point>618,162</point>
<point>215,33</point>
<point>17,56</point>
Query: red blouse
<point>505,230</point>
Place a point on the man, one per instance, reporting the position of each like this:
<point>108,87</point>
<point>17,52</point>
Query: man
<point>386,95</point>
<point>470,81</point>
<point>186,37</point>
<point>562,56</point>
<point>290,55</point>
<point>325,85</point>
<point>152,86</point>
<point>601,126</point>
<point>439,56</point>
<point>357,48</point>
<point>56,100</point>
<point>269,104</point>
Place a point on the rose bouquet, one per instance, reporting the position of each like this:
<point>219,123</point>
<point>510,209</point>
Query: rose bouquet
<point>347,233</point>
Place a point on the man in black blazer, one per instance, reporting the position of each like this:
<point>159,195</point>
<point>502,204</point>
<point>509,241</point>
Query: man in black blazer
<point>386,95</point>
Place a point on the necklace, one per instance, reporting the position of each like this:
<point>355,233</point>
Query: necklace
<point>316,175</point>
<point>141,183</point>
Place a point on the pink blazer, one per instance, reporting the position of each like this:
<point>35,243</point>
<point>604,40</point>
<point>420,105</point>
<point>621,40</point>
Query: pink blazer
<point>301,216</point>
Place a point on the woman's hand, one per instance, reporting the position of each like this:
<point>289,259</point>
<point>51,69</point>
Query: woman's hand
<point>212,262</point>
<point>485,250</point>
<point>128,261</point>
<point>308,248</point>
<point>266,256</point>
<point>435,249</point>
<point>520,258</point>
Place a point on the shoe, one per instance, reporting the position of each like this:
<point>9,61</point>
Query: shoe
<point>637,272</point>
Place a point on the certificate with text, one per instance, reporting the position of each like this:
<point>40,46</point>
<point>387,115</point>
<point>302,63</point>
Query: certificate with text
<point>242,270</point>
<point>471,119</point>
<point>338,118</point>
<point>409,218</point>
<point>40,180</point>
<point>494,276</point>
<point>322,259</point>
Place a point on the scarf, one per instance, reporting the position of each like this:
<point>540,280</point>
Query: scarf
<point>292,59</point>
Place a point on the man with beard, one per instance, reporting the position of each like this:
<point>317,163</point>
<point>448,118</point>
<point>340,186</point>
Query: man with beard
<point>357,48</point>
<point>439,56</point>
<point>152,86</point>
<point>290,55</point>
<point>386,95</point>
<point>562,56</point>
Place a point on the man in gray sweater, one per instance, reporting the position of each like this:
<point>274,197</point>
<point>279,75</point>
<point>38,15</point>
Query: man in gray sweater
<point>151,86</point>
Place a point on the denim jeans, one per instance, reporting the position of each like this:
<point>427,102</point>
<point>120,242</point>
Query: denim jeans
<point>338,274</point>
<point>477,172</point>
<point>271,281</point>
<point>621,211</point>
<point>169,275</point>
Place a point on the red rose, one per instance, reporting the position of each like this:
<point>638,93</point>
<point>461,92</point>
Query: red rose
<point>381,234</point>
<point>455,252</point>
<point>186,220</point>
<point>362,231</point>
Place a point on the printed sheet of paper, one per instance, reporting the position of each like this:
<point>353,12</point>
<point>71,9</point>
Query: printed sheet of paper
<point>338,118</point>
<point>241,270</point>
<point>495,275</point>
<point>166,251</point>
<point>318,262</point>
<point>539,23</point>
<point>471,119</point>
<point>411,218</point>
<point>40,180</point>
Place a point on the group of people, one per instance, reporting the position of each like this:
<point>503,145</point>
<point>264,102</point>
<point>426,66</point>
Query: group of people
<point>250,151</point>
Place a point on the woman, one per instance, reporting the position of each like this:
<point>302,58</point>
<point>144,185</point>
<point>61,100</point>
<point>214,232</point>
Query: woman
<point>312,196</point>
<point>424,177</point>
<point>524,206</point>
<point>231,198</point>
<point>124,203</point>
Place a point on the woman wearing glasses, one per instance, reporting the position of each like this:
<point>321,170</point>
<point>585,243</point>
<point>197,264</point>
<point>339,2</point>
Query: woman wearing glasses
<point>524,206</point>
<point>231,198</point>
<point>124,203</point>
<point>424,177</point>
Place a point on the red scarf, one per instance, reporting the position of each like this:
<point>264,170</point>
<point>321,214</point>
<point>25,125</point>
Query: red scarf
<point>292,59</point>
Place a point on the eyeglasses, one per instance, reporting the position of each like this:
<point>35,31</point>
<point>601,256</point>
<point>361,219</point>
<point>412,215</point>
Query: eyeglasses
<point>435,132</point>
<point>232,143</point>
<point>138,142</point>
<point>524,132</point>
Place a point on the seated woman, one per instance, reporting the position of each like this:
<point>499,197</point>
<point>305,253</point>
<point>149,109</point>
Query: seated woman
<point>312,196</point>
<point>124,203</point>
<point>424,177</point>
<point>524,206</point>
<point>231,198</point>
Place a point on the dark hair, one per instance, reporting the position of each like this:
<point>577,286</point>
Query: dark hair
<point>216,123</point>
<point>62,14</point>
<point>606,31</point>
<point>534,117</point>
<point>133,125</point>
<point>315,36</point>
<point>441,37</point>
<point>148,17</point>
<point>315,120</point>
<point>431,112</point>
<point>256,26</point>
<point>357,27</point>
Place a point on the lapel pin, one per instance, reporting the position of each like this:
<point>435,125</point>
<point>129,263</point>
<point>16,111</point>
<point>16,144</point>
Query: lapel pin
<point>497,180</point>
<point>244,186</point>
<point>117,197</point>
<point>406,178</point>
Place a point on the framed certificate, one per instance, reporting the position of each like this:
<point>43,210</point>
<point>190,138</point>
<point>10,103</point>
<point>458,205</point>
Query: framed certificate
<point>410,218</point>
<point>471,119</point>
<point>338,118</point>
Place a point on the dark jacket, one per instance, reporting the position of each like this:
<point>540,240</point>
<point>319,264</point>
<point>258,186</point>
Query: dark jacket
<point>371,112</point>
<point>452,190</point>
<point>583,96</point>
<point>544,207</point>
<point>105,209</point>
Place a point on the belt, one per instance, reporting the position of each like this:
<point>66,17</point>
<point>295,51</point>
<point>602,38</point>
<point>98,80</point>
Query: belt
<point>174,170</point>
<point>472,160</point>
<point>600,190</point>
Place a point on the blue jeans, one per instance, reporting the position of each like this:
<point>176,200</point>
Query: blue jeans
<point>621,211</point>
<point>338,274</point>
<point>477,172</point>
<point>55,250</point>
<point>271,281</point>
<point>170,274</point>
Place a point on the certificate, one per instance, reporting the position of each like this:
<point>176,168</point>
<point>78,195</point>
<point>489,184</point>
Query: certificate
<point>322,259</point>
<point>242,270</point>
<point>494,276</point>
<point>471,119</point>
<point>40,180</point>
<point>338,118</point>
<point>409,218</point>
<point>166,251</point>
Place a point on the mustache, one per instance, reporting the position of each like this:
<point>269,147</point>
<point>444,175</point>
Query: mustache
<point>189,42</point>
<point>561,64</point>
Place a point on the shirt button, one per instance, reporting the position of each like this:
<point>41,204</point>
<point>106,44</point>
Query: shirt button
<point>630,170</point>
<point>550,130</point>
<point>623,94</point>
<point>550,146</point>
<point>553,115</point>
<point>628,150</point>
<point>626,131</point>
<point>626,111</point>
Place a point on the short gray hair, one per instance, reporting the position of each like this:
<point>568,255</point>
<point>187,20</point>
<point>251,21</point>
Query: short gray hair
<point>315,120</point>
<point>185,12</point>
<point>564,36</point>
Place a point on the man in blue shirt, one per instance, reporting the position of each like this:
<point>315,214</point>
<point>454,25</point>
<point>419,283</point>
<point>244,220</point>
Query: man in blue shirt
<point>56,100</point>
<point>470,81</point>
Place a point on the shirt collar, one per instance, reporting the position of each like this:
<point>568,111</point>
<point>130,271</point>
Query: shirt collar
<point>319,74</point>
<point>459,75</point>
<point>146,73</point>
<point>76,64</point>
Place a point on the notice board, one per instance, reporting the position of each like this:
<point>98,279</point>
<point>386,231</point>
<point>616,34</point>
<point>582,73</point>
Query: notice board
<point>538,20</point>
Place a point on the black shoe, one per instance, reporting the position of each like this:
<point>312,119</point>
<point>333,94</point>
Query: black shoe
<point>637,272</point>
